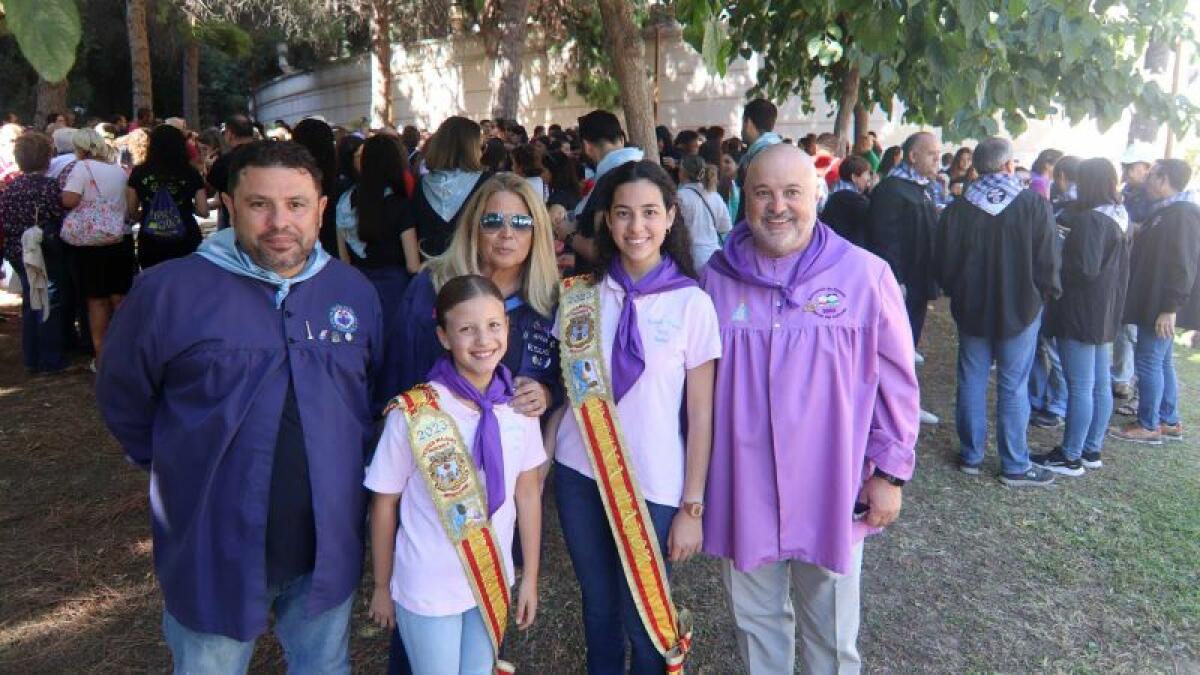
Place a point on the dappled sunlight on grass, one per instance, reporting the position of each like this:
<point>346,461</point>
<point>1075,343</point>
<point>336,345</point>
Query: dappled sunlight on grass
<point>70,616</point>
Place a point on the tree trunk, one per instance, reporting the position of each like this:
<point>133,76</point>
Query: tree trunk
<point>139,54</point>
<point>628,55</point>
<point>862,121</point>
<point>381,63</point>
<point>191,82</point>
<point>509,59</point>
<point>51,98</point>
<point>1158,57</point>
<point>847,101</point>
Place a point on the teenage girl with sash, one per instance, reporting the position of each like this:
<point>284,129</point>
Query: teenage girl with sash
<point>635,336</point>
<point>462,466</point>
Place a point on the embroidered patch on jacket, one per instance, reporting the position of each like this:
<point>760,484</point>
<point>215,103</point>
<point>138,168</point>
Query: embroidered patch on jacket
<point>343,319</point>
<point>741,314</point>
<point>827,303</point>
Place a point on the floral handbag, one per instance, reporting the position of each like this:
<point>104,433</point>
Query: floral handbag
<point>94,222</point>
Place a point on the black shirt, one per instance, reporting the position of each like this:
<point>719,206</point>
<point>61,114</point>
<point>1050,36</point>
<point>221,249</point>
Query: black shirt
<point>1095,272</point>
<point>902,229</point>
<point>385,251</point>
<point>1164,270</point>
<point>434,232</point>
<point>998,270</point>
<point>847,212</point>
<point>291,526</point>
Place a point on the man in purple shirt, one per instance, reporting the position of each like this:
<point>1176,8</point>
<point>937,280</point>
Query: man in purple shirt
<point>238,377</point>
<point>816,418</point>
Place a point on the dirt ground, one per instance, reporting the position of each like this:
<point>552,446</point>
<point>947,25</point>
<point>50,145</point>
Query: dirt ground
<point>1100,573</point>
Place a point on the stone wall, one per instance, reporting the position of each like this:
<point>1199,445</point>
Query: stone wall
<point>438,78</point>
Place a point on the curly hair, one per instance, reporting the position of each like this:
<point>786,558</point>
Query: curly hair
<point>677,243</point>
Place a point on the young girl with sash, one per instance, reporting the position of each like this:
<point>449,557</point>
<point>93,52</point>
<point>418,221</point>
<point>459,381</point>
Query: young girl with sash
<point>462,466</point>
<point>629,478</point>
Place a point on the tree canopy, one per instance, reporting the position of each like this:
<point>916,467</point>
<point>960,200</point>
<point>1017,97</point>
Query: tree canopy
<point>957,64</point>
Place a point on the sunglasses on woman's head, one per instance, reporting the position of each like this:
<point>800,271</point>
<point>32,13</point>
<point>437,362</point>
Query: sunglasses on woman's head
<point>494,222</point>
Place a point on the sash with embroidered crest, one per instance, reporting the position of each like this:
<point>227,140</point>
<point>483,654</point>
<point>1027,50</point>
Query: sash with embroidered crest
<point>589,389</point>
<point>460,497</point>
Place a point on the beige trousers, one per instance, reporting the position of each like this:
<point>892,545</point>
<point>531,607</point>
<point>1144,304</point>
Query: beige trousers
<point>762,604</point>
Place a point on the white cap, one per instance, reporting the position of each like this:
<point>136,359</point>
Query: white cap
<point>1140,152</point>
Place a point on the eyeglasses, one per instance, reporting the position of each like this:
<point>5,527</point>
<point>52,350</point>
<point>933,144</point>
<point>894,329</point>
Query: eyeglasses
<point>494,222</point>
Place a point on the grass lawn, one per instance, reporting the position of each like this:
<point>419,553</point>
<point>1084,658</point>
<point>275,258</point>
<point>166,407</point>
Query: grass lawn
<point>1096,574</point>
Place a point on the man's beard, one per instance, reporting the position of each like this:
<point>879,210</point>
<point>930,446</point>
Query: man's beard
<point>276,261</point>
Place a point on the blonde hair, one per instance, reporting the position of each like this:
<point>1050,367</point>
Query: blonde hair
<point>539,276</point>
<point>138,144</point>
<point>457,144</point>
<point>91,145</point>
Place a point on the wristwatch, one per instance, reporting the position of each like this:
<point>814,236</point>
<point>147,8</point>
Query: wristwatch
<point>693,509</point>
<point>898,482</point>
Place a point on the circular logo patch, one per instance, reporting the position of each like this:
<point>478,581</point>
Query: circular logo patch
<point>343,319</point>
<point>827,303</point>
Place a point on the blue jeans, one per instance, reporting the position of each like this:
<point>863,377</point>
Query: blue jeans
<point>446,645</point>
<point>1014,358</point>
<point>610,616</point>
<point>1089,395</point>
<point>319,644</point>
<point>1047,383</point>
<point>1122,357</point>
<point>1158,394</point>
<point>42,341</point>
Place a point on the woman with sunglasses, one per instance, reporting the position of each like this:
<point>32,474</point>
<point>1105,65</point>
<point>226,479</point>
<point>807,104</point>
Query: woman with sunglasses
<point>504,234</point>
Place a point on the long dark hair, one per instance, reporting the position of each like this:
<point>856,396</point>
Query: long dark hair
<point>564,174</point>
<point>677,244</point>
<point>1096,183</point>
<point>383,166</point>
<point>167,153</point>
<point>346,147</point>
<point>317,136</point>
<point>891,158</point>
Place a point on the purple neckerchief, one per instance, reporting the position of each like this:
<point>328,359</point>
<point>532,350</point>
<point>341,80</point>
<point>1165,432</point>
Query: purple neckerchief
<point>628,356</point>
<point>487,450</point>
<point>736,261</point>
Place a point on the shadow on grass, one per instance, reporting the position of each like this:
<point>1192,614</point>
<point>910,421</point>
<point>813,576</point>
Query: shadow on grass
<point>1098,573</point>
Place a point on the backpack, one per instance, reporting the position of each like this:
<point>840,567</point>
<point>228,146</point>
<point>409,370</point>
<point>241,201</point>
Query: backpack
<point>162,219</point>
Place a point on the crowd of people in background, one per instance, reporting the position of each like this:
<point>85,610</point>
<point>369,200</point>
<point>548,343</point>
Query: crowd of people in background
<point>1066,281</point>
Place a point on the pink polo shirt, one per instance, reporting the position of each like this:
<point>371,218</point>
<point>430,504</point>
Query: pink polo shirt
<point>427,577</point>
<point>679,331</point>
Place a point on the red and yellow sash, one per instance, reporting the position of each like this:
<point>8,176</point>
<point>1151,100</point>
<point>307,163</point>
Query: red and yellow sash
<point>460,497</point>
<point>589,389</point>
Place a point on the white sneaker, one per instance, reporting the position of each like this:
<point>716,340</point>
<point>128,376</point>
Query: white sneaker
<point>920,360</point>
<point>929,418</point>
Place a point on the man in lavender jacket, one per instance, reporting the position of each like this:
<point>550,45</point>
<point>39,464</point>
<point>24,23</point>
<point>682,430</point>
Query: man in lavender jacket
<point>816,410</point>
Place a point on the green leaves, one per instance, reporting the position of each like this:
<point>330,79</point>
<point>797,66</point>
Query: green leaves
<point>47,32</point>
<point>226,37</point>
<point>965,65</point>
